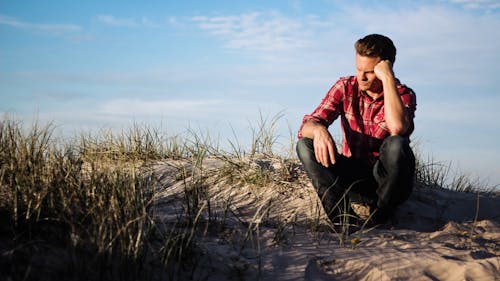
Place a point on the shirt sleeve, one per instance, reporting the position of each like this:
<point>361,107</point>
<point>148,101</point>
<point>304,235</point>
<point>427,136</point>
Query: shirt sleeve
<point>409,100</point>
<point>330,107</point>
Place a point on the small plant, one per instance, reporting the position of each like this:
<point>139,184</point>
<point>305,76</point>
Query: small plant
<point>91,200</point>
<point>84,198</point>
<point>441,175</point>
<point>264,136</point>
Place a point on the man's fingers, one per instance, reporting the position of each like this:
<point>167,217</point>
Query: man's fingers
<point>325,154</point>
<point>319,153</point>
<point>324,157</point>
<point>316,151</point>
<point>332,154</point>
<point>321,156</point>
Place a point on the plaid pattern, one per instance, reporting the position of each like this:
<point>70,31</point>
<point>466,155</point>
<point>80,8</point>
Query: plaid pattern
<point>362,118</point>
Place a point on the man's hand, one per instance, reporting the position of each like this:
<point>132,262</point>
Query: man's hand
<point>324,146</point>
<point>383,70</point>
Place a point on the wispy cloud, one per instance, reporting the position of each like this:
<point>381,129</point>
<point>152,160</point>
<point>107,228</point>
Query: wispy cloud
<point>114,21</point>
<point>487,5</point>
<point>125,22</point>
<point>262,32</point>
<point>55,29</point>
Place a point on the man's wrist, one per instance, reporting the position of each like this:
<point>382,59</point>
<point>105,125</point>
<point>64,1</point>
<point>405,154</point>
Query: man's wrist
<point>319,129</point>
<point>388,79</point>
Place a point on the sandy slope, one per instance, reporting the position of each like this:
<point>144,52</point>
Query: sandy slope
<point>278,232</point>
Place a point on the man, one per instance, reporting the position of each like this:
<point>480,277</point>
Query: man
<point>374,172</point>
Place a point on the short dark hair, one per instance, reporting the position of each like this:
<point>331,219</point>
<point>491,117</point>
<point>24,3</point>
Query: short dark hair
<point>376,45</point>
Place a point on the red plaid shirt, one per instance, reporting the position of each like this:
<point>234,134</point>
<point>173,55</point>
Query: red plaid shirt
<point>362,118</point>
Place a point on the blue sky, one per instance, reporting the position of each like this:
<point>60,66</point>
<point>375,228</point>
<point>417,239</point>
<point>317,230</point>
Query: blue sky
<point>214,65</point>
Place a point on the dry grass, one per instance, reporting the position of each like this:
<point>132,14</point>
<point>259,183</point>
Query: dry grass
<point>83,200</point>
<point>440,174</point>
<point>85,209</point>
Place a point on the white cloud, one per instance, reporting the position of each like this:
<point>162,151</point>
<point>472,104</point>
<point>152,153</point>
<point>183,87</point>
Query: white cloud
<point>126,22</point>
<point>118,22</point>
<point>147,22</point>
<point>261,32</point>
<point>55,29</point>
<point>487,5</point>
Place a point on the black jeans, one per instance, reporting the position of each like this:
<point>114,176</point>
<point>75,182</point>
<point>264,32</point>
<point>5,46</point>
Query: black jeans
<point>384,186</point>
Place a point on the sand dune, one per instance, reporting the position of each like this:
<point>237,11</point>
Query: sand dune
<point>280,232</point>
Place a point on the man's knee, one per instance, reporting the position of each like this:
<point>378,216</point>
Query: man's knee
<point>396,148</point>
<point>305,150</point>
<point>395,144</point>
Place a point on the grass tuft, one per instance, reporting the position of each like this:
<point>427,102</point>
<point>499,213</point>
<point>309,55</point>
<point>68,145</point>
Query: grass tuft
<point>87,208</point>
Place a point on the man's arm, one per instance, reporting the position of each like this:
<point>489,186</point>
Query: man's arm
<point>395,115</point>
<point>324,146</point>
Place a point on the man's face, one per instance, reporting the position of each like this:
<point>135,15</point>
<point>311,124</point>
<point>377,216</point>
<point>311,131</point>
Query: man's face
<point>367,79</point>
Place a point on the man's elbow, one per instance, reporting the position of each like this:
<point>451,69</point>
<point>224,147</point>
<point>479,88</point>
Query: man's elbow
<point>399,129</point>
<point>396,132</point>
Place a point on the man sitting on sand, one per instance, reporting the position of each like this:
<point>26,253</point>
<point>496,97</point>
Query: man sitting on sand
<point>375,169</point>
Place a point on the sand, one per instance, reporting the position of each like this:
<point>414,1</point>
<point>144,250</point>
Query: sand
<point>280,232</point>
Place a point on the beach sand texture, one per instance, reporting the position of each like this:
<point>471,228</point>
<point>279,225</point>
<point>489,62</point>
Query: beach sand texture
<point>280,232</point>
